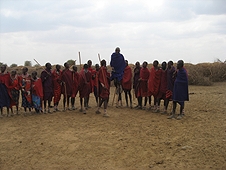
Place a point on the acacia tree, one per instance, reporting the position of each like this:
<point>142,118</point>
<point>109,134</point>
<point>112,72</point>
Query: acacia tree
<point>71,62</point>
<point>27,63</point>
<point>13,65</point>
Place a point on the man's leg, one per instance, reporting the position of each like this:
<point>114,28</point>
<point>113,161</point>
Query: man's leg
<point>99,106</point>
<point>126,97</point>
<point>105,108</point>
<point>73,103</point>
<point>130,99</point>
<point>44,106</point>
<point>81,109</point>
<point>174,110</point>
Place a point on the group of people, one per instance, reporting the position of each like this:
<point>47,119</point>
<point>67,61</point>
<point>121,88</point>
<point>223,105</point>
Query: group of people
<point>163,82</point>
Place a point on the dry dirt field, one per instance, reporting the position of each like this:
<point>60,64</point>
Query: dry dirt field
<point>129,139</point>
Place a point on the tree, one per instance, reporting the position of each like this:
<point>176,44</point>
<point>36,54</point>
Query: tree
<point>27,63</point>
<point>71,62</point>
<point>13,65</point>
<point>1,64</point>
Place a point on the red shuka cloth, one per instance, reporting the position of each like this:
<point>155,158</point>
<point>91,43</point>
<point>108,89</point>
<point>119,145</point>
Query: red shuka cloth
<point>67,82</point>
<point>37,88</point>
<point>154,82</point>
<point>25,79</point>
<point>127,78</point>
<point>95,80</point>
<point>5,78</point>
<point>93,72</point>
<point>143,85</point>
<point>75,78</point>
<point>102,79</point>
<point>13,85</point>
<point>84,84</point>
<point>163,83</point>
<point>56,76</point>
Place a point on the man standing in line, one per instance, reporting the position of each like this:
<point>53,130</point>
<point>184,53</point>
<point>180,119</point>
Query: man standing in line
<point>180,90</point>
<point>13,90</point>
<point>154,83</point>
<point>127,84</point>
<point>57,74</point>
<point>4,96</point>
<point>118,65</point>
<point>103,87</point>
<point>25,85</point>
<point>170,83</point>
<point>67,85</point>
<point>136,78</point>
<point>84,87</point>
<point>75,78</point>
<point>162,88</point>
<point>47,84</point>
<point>143,84</point>
<point>95,84</point>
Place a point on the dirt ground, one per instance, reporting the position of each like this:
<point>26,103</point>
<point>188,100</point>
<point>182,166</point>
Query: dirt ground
<point>129,139</point>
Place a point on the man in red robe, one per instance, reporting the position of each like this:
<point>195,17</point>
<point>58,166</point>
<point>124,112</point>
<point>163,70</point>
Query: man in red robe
<point>37,92</point>
<point>47,84</point>
<point>127,83</point>
<point>93,72</point>
<point>95,83</point>
<point>154,83</point>
<point>56,75</point>
<point>4,96</point>
<point>13,90</point>
<point>25,85</point>
<point>67,85</point>
<point>136,78</point>
<point>143,84</point>
<point>103,87</point>
<point>84,87</point>
<point>162,88</point>
<point>75,78</point>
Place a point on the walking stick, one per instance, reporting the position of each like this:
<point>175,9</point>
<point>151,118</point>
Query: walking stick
<point>39,64</point>
<point>80,62</point>
<point>114,96</point>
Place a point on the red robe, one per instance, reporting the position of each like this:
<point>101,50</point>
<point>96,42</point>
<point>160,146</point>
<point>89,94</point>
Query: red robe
<point>4,84</point>
<point>154,82</point>
<point>25,85</point>
<point>37,88</point>
<point>84,84</point>
<point>103,80</point>
<point>143,83</point>
<point>67,82</point>
<point>93,72</point>
<point>56,76</point>
<point>163,83</point>
<point>75,78</point>
<point>127,78</point>
<point>13,90</point>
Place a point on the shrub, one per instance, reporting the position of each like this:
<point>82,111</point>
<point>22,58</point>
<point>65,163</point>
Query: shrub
<point>27,63</point>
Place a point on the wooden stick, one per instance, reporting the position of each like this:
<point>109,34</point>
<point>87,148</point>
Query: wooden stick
<point>80,62</point>
<point>39,64</point>
<point>102,70</point>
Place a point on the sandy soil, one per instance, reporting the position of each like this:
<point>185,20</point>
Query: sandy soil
<point>129,139</point>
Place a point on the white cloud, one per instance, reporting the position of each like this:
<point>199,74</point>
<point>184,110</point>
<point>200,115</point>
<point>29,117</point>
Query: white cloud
<point>145,30</point>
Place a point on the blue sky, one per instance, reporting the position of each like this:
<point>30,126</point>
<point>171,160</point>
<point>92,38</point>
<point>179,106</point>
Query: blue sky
<point>56,30</point>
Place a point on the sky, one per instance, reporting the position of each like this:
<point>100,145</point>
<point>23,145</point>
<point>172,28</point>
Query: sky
<point>145,30</point>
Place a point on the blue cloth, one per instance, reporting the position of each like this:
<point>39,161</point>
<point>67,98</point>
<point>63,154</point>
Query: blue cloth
<point>36,102</point>
<point>4,96</point>
<point>118,62</point>
<point>180,90</point>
